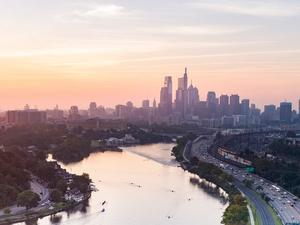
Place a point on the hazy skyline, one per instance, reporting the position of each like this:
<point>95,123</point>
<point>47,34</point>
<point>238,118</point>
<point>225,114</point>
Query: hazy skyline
<point>76,51</point>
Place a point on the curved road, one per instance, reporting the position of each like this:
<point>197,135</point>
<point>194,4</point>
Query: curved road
<point>198,149</point>
<point>261,207</point>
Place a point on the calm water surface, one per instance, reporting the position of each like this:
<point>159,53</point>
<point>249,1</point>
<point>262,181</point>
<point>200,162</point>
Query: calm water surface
<point>142,186</point>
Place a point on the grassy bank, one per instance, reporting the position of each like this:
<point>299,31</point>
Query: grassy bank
<point>237,211</point>
<point>31,215</point>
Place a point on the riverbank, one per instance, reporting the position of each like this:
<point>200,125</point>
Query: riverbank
<point>70,190</point>
<point>31,215</point>
<point>237,212</point>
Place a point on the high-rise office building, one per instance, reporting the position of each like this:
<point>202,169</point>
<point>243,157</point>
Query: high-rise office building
<point>185,79</point>
<point>270,113</point>
<point>235,105</point>
<point>181,101</point>
<point>164,100</point>
<point>55,114</point>
<point>286,112</point>
<point>224,105</point>
<point>168,84</point>
<point>93,112</point>
<point>146,104</point>
<point>122,111</point>
<point>224,100</point>
<point>299,107</point>
<point>20,117</point>
<point>211,98</point>
<point>154,104</point>
<point>245,107</point>
<point>269,109</point>
<point>212,103</point>
<point>74,113</point>
<point>193,97</point>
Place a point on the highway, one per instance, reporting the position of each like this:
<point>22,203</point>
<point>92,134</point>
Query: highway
<point>258,203</point>
<point>199,149</point>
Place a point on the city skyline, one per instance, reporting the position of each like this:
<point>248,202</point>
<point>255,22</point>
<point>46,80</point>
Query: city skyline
<point>74,52</point>
<point>172,84</point>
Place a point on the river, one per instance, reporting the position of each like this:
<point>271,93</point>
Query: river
<point>142,185</point>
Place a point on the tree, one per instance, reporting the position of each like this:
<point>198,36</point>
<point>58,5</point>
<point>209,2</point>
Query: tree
<point>28,199</point>
<point>56,195</point>
<point>7,211</point>
<point>291,134</point>
<point>62,185</point>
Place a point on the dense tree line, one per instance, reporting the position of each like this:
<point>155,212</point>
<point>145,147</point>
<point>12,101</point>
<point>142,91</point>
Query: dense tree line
<point>280,148</point>
<point>39,135</point>
<point>177,150</point>
<point>13,177</point>
<point>71,149</point>
<point>237,212</point>
<point>283,170</point>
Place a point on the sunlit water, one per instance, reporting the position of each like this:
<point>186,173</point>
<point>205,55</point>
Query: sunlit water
<point>142,186</point>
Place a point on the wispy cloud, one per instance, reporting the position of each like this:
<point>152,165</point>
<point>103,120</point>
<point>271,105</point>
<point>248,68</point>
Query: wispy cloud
<point>105,48</point>
<point>200,30</point>
<point>266,8</point>
<point>96,11</point>
<point>102,11</point>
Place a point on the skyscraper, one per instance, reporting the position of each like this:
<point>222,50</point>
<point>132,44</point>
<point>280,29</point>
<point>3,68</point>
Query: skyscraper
<point>74,113</point>
<point>286,112</point>
<point>224,105</point>
<point>168,84</point>
<point>299,107</point>
<point>235,104</point>
<point>211,97</point>
<point>269,113</point>
<point>181,101</point>
<point>146,104</point>
<point>212,103</point>
<point>93,112</point>
<point>185,79</point>
<point>245,107</point>
<point>193,97</point>
<point>154,105</point>
<point>164,99</point>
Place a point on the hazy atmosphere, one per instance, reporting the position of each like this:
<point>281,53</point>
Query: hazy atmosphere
<point>77,51</point>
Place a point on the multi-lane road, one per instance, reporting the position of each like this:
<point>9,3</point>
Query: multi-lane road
<point>284,203</point>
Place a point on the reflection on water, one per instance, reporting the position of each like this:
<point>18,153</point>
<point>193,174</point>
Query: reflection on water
<point>142,185</point>
<point>211,189</point>
<point>55,219</point>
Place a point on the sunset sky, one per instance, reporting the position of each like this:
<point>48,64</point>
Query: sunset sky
<point>70,52</point>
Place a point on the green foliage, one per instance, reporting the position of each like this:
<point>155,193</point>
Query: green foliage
<point>39,135</point>
<point>215,175</point>
<point>81,182</point>
<point>284,173</point>
<point>28,199</point>
<point>237,212</point>
<point>56,195</point>
<point>7,211</point>
<point>181,143</point>
<point>13,177</point>
<point>178,149</point>
<point>62,185</point>
<point>71,149</point>
<point>280,148</point>
<point>8,195</point>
